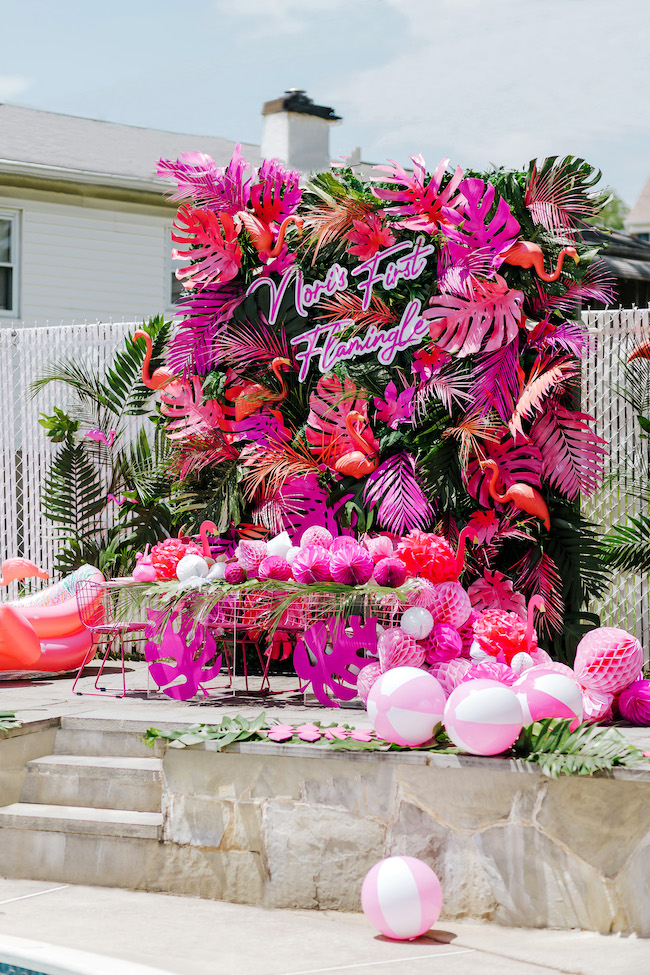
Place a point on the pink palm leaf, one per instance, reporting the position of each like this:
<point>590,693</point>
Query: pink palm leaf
<point>252,345</point>
<point>497,381</point>
<point>211,242</point>
<point>347,305</point>
<point>394,490</point>
<point>597,284</point>
<point>557,194</point>
<point>460,325</point>
<point>329,405</point>
<point>202,182</point>
<point>193,347</point>
<point>478,226</point>
<point>573,455</point>
<point>424,202</point>
<point>538,575</point>
<point>570,336</point>
<point>448,385</point>
<point>277,193</point>
<point>545,380</point>
<point>516,462</point>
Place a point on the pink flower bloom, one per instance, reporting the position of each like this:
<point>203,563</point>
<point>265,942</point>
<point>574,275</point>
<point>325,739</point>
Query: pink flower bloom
<point>395,409</point>
<point>362,734</point>
<point>280,732</point>
<point>427,362</point>
<point>369,236</point>
<point>339,733</point>
<point>308,732</point>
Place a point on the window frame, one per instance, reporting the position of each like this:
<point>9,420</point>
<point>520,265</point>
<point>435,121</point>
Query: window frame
<point>13,217</point>
<point>171,308</point>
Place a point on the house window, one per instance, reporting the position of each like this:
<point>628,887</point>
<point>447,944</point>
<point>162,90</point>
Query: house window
<point>174,288</point>
<point>8,264</point>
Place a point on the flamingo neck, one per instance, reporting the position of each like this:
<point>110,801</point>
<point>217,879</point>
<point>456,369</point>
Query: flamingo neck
<point>206,526</point>
<point>459,564</point>
<point>493,482</point>
<point>558,268</point>
<point>535,603</point>
<point>283,229</point>
<point>357,440</point>
<point>146,378</point>
<point>282,395</point>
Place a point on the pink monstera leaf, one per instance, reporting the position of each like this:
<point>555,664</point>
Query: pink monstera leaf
<point>516,462</point>
<point>331,661</point>
<point>477,226</point>
<point>460,325</point>
<point>329,405</point>
<point>212,247</point>
<point>191,648</point>
<point>573,455</point>
<point>276,193</point>
<point>393,489</point>
<point>422,201</point>
<point>495,591</point>
<point>188,415</point>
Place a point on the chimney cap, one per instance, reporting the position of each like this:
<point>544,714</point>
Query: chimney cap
<point>297,100</point>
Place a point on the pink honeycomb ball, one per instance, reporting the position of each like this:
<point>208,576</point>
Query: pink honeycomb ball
<point>544,693</point>
<point>351,565</point>
<point>316,535</point>
<point>405,705</point>
<point>450,604</point>
<point>312,565</point>
<point>596,705</point>
<point>397,649</point>
<point>491,670</point>
<point>341,541</point>
<point>390,572</point>
<point>274,567</point>
<point>443,643</point>
<point>483,717</point>
<point>380,548</point>
<point>634,703</point>
<point>250,554</point>
<point>421,593</point>
<point>450,672</point>
<point>234,573</point>
<point>368,675</point>
<point>401,897</point>
<point>608,659</point>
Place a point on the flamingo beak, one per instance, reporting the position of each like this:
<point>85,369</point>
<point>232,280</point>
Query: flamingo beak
<point>574,254</point>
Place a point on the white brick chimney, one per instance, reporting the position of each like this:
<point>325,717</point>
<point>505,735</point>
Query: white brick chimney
<point>297,132</point>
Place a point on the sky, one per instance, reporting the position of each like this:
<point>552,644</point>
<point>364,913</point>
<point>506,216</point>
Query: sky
<point>479,81</point>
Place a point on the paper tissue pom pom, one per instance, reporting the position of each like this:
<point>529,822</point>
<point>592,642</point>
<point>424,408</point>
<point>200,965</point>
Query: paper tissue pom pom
<point>367,677</point>
<point>443,643</point>
<point>312,565</point>
<point>390,572</point>
<point>405,705</point>
<point>234,573</point>
<point>608,659</point>
<point>596,705</point>
<point>491,670</point>
<point>291,553</point>
<point>401,897</point>
<point>380,548</point>
<point>279,545</point>
<point>521,662</point>
<point>166,555</point>
<point>544,693</point>
<point>274,567</point>
<point>496,632</point>
<point>450,604</point>
<point>397,649</point>
<point>351,565</point>
<point>634,702</point>
<point>191,565</point>
<point>483,717</point>
<point>428,555</point>
<point>421,593</point>
<point>316,535</point>
<point>341,541</point>
<point>450,673</point>
<point>417,622</point>
<point>467,632</point>
<point>250,554</point>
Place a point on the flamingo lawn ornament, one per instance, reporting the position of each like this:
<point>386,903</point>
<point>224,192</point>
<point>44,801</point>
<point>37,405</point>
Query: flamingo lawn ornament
<point>261,234</point>
<point>527,254</point>
<point>101,437</point>
<point>207,526</point>
<point>256,395</point>
<point>160,377</point>
<point>467,532</point>
<point>535,603</point>
<point>357,463</point>
<point>523,496</point>
<point>20,569</point>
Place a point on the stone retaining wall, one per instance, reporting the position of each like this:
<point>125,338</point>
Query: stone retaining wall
<point>293,827</point>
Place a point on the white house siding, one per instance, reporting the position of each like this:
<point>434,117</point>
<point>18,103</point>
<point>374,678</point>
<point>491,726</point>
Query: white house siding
<point>83,258</point>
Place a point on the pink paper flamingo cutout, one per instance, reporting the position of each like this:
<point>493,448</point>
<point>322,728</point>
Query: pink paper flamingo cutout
<point>119,501</point>
<point>535,603</point>
<point>101,437</point>
<point>467,532</point>
<point>261,234</point>
<point>20,569</point>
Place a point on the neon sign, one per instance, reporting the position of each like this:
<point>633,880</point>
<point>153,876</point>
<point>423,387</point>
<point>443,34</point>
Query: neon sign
<point>323,341</point>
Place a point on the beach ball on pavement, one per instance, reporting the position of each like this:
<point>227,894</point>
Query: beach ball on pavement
<point>483,717</point>
<point>545,693</point>
<point>405,705</point>
<point>401,897</point>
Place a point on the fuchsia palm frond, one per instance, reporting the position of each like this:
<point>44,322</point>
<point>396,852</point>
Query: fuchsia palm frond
<point>182,402</point>
<point>212,247</point>
<point>422,201</point>
<point>250,345</point>
<point>276,193</point>
<point>496,382</point>
<point>573,454</point>
<point>537,575</point>
<point>516,462</point>
<point>393,489</point>
<point>459,268</point>
<point>460,325</point>
<point>348,305</point>
<point>448,385</point>
<point>329,405</point>
<point>200,453</point>
<point>206,185</point>
<point>596,285</point>
<point>570,336</point>
<point>557,196</point>
<point>193,347</point>
<point>473,226</point>
<point>546,378</point>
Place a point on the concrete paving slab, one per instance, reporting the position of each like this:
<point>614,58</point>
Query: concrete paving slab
<point>186,936</point>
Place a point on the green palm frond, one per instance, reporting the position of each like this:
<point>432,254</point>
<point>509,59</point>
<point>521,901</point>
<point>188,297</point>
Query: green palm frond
<point>628,546</point>
<point>589,749</point>
<point>74,493</point>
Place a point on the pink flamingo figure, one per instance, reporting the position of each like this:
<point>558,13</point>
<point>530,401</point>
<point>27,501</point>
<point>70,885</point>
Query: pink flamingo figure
<point>207,526</point>
<point>261,234</point>
<point>144,570</point>
<point>254,396</point>
<point>527,254</point>
<point>467,532</point>
<point>523,496</point>
<point>20,569</point>
<point>101,437</point>
<point>357,463</point>
<point>535,603</point>
<point>160,377</point>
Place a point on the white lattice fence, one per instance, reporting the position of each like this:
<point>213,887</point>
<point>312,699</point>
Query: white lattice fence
<point>25,355</point>
<point>613,335</point>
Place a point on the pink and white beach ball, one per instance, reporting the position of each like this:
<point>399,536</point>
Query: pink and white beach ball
<point>405,705</point>
<point>483,717</point>
<point>545,693</point>
<point>401,897</point>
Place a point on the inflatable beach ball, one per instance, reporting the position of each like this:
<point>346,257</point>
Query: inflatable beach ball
<point>483,717</point>
<point>405,705</point>
<point>545,693</point>
<point>401,897</point>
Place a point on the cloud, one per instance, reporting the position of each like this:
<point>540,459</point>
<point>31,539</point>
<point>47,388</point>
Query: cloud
<point>277,17</point>
<point>12,85</point>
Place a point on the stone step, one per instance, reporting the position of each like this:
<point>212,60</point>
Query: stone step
<point>100,781</point>
<point>92,740</point>
<point>81,819</point>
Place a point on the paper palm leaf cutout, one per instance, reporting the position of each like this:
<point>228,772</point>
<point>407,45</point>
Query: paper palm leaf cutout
<point>460,325</point>
<point>573,455</point>
<point>596,284</point>
<point>188,415</point>
<point>277,194</point>
<point>476,227</point>
<point>424,202</point>
<point>249,345</point>
<point>193,347</point>
<point>494,591</point>
<point>212,247</point>
<point>497,377</point>
<point>329,405</point>
<point>538,575</point>
<point>393,489</point>
<point>570,336</point>
<point>516,462</point>
<point>199,453</point>
<point>347,305</point>
<point>328,221</point>
<point>557,194</point>
<point>472,432</point>
<point>447,385</point>
<point>207,185</point>
<point>191,648</point>
<point>542,383</point>
<point>331,664</point>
